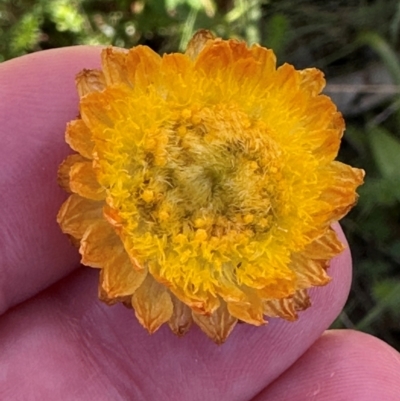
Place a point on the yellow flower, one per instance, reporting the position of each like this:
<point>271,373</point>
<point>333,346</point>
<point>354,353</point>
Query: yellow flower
<point>205,185</point>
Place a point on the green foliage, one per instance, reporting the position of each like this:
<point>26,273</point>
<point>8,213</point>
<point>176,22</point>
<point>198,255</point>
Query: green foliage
<point>339,36</point>
<point>25,33</point>
<point>385,150</point>
<point>387,298</point>
<point>66,15</point>
<point>277,33</point>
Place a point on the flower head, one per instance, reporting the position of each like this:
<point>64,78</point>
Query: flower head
<point>204,184</point>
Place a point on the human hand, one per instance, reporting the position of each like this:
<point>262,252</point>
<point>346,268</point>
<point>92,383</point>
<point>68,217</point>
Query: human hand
<point>58,342</point>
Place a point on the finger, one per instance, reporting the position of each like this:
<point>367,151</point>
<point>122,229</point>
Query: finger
<point>341,365</point>
<point>66,343</point>
<point>39,97</point>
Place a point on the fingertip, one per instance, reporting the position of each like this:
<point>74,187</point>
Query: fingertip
<point>341,365</point>
<point>40,99</point>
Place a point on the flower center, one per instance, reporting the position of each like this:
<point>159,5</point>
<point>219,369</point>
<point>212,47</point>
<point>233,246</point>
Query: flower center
<point>202,189</point>
<point>211,169</point>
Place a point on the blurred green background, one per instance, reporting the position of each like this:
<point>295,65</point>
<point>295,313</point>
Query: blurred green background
<point>355,42</point>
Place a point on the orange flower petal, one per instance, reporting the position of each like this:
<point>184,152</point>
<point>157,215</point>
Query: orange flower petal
<point>100,245</point>
<point>283,308</point>
<point>251,312</point>
<point>113,61</point>
<point>78,137</point>
<point>341,196</point>
<point>301,300</point>
<point>309,272</point>
<point>143,65</point>
<point>198,42</point>
<point>181,318</point>
<point>119,277</point>
<point>201,302</point>
<point>63,176</point>
<point>325,247</point>
<point>77,214</point>
<point>83,181</point>
<point>218,325</point>
<point>312,81</point>
<point>88,81</point>
<point>152,304</point>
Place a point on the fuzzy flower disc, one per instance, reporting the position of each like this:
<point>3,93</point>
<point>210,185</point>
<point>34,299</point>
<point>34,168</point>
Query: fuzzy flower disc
<point>204,184</point>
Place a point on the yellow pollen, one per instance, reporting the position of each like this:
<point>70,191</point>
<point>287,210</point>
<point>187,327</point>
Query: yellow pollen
<point>201,235</point>
<point>199,223</point>
<point>147,195</point>
<point>196,119</point>
<point>163,215</point>
<point>182,130</point>
<point>186,114</point>
<point>248,218</point>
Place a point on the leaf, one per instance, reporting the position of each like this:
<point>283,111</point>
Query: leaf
<point>277,33</point>
<point>171,5</point>
<point>386,152</point>
<point>379,192</point>
<point>388,294</point>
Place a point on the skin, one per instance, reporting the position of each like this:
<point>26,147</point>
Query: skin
<point>57,341</point>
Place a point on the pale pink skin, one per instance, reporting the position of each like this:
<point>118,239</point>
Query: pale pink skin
<point>58,342</point>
